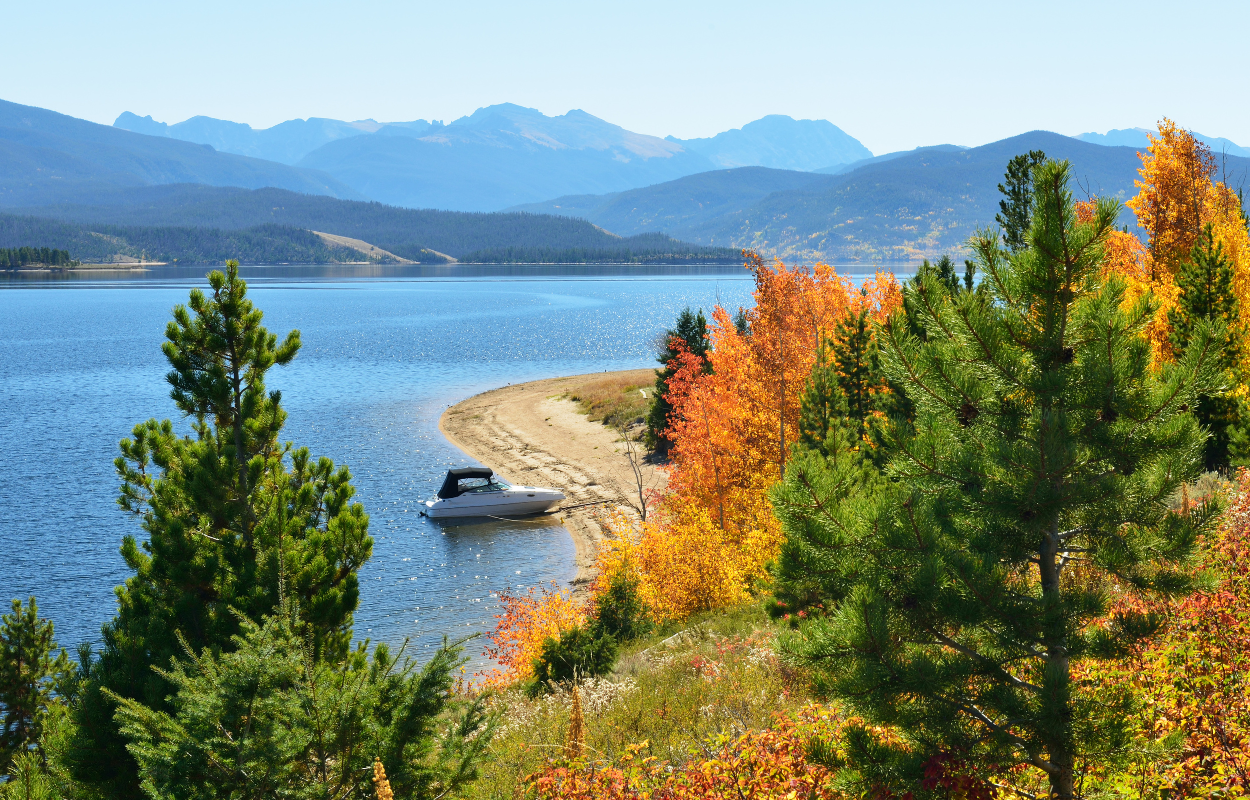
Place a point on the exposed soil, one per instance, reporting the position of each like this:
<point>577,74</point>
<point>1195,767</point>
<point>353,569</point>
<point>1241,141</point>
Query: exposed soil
<point>530,434</point>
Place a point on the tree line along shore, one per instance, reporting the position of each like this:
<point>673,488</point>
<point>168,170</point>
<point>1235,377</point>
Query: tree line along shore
<point>979,534</point>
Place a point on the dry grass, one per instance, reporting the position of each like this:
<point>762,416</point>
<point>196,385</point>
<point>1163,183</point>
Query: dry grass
<point>614,400</point>
<point>676,693</point>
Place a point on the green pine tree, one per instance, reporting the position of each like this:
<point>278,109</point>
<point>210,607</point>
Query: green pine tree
<point>31,667</point>
<point>1205,281</point>
<point>28,780</point>
<point>1016,207</point>
<point>847,398</point>
<point>268,719</point>
<point>961,592</point>
<point>944,277</point>
<point>232,518</point>
<point>691,328</point>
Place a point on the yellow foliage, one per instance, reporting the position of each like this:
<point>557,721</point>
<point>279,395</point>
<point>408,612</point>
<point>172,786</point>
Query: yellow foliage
<point>1177,197</point>
<point>381,786</point>
<point>682,560</point>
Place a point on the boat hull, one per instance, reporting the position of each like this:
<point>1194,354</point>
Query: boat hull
<point>517,502</point>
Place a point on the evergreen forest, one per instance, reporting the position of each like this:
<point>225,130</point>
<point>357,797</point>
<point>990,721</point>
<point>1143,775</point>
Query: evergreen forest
<point>13,257</point>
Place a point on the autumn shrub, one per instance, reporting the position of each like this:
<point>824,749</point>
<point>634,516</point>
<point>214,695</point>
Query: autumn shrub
<point>522,627</point>
<point>675,690</point>
<point>1192,720</point>
<point>581,652</point>
<point>765,763</point>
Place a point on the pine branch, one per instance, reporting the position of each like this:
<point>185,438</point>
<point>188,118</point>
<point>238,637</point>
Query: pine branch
<point>984,660</point>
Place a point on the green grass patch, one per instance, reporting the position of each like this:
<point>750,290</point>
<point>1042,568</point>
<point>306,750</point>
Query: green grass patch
<point>614,399</point>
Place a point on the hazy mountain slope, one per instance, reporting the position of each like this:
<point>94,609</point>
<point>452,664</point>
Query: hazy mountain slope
<point>914,206</point>
<point>503,156</point>
<point>47,157</point>
<point>780,142</point>
<point>896,208</point>
<point>677,206</point>
<point>286,142</point>
<point>1136,137</point>
<point>403,231</point>
<point>840,169</point>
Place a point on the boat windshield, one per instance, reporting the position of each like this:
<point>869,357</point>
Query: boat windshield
<point>478,485</point>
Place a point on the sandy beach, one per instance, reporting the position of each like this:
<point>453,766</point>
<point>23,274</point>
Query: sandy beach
<point>530,434</point>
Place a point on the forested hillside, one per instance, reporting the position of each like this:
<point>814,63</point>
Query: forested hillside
<point>678,205</point>
<point>644,248</point>
<point>897,208</point>
<point>263,244</point>
<point>206,225</point>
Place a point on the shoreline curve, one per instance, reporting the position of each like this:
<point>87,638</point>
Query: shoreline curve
<point>530,433</point>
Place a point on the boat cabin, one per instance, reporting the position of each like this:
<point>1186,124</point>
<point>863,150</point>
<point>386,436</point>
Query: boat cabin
<point>470,480</point>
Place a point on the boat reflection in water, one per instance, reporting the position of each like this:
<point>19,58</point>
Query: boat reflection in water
<point>477,492</point>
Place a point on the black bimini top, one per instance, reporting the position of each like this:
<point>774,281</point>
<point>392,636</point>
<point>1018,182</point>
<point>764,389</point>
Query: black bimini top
<point>451,484</point>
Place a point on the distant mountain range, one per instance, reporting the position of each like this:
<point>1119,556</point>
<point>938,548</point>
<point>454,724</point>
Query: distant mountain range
<point>285,143</point>
<point>1136,137</point>
<point>504,155</point>
<point>802,189</point>
<point>896,208</point>
<point>47,157</point>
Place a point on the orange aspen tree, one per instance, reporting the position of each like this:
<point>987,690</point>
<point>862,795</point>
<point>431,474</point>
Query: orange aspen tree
<point>731,430</point>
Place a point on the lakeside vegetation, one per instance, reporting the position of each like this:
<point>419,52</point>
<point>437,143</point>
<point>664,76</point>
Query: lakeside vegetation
<point>646,248</point>
<point>14,257</point>
<point>264,244</point>
<point>413,234</point>
<point>283,244</point>
<point>614,400</point>
<point>957,538</point>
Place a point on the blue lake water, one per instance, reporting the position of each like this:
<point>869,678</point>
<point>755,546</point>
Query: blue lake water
<point>385,351</point>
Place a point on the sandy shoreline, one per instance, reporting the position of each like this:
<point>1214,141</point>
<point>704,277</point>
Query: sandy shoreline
<point>529,435</point>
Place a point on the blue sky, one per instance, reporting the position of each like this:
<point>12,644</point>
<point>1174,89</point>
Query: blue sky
<point>894,75</point>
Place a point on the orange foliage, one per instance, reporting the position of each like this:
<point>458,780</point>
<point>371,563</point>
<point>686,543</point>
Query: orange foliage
<point>770,764</point>
<point>732,429</point>
<point>1172,200</point>
<point>1177,197</point>
<point>762,764</point>
<point>525,623</point>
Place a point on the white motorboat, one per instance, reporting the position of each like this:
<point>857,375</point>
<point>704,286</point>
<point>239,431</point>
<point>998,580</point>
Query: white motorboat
<point>478,492</point>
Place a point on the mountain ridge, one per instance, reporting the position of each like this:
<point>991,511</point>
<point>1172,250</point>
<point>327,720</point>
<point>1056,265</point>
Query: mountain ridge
<point>46,157</point>
<point>896,208</point>
<point>778,141</point>
<point>506,154</point>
